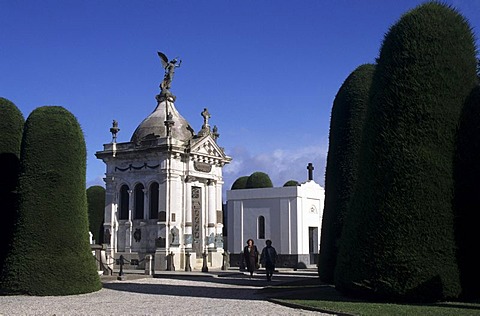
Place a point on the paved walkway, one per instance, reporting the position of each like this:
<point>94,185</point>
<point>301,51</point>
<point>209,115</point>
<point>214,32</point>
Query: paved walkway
<point>169,293</point>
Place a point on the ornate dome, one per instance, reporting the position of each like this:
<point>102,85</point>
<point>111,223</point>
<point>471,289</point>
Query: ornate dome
<point>154,125</point>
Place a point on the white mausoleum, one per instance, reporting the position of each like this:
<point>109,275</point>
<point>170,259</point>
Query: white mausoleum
<point>164,191</point>
<point>289,216</point>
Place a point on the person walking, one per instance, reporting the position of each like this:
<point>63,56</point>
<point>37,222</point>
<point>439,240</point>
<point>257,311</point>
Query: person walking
<point>269,258</point>
<point>250,254</point>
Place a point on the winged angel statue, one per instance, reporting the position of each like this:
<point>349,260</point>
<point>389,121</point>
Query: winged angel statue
<point>169,67</point>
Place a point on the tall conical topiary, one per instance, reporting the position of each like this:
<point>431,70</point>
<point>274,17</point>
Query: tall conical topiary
<point>346,126</point>
<point>50,252</point>
<point>96,211</point>
<point>11,129</point>
<point>240,183</point>
<point>258,180</point>
<point>398,238</point>
<point>467,199</point>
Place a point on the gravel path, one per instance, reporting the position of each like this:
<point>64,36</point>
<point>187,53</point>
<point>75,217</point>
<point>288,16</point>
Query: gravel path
<point>171,294</point>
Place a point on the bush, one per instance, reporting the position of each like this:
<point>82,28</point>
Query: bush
<point>240,183</point>
<point>258,180</point>
<point>11,129</point>
<point>50,252</point>
<point>96,211</point>
<point>398,238</point>
<point>346,126</point>
<point>467,199</point>
<point>291,183</point>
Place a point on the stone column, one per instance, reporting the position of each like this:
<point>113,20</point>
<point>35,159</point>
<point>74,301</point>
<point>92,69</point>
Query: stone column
<point>212,214</point>
<point>146,205</point>
<point>128,224</point>
<point>110,226</point>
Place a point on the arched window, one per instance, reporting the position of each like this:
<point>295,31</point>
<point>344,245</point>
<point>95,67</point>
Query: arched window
<point>139,201</point>
<point>261,227</point>
<point>124,199</point>
<point>153,193</point>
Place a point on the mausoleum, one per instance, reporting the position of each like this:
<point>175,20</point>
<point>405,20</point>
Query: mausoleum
<point>164,189</point>
<point>289,216</point>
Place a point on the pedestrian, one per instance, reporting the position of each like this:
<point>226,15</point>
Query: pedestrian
<point>250,254</point>
<point>269,258</point>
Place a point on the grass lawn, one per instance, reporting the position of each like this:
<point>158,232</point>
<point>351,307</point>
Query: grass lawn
<point>313,294</point>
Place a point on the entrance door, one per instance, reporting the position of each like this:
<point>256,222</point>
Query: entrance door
<point>313,244</point>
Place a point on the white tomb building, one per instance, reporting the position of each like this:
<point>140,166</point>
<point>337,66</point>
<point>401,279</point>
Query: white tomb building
<point>164,189</point>
<point>290,216</point>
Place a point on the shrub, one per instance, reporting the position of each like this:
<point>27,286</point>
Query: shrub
<point>291,183</point>
<point>398,238</point>
<point>240,183</point>
<point>11,129</point>
<point>96,211</point>
<point>258,180</point>
<point>346,126</point>
<point>50,252</point>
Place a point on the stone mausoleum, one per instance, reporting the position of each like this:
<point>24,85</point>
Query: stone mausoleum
<point>289,216</point>
<point>164,189</point>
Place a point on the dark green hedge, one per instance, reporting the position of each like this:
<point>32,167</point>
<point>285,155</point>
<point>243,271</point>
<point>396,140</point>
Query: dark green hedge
<point>96,211</point>
<point>346,126</point>
<point>398,238</point>
<point>11,129</point>
<point>291,183</point>
<point>240,183</point>
<point>258,180</point>
<point>467,197</point>
<point>50,252</point>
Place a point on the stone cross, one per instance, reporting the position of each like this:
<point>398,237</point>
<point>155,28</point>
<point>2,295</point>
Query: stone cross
<point>310,171</point>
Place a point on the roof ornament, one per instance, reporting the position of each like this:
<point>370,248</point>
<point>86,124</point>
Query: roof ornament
<point>169,67</point>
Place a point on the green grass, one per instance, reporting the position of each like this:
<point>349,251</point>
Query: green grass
<point>313,294</point>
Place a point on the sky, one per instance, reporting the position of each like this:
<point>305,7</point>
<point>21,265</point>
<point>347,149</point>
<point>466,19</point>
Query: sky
<point>267,70</point>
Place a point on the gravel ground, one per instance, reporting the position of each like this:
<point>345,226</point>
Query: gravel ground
<point>169,294</point>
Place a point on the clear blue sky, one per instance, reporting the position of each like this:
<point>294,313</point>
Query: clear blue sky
<point>268,71</point>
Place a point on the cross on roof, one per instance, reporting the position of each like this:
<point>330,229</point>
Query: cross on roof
<point>310,171</point>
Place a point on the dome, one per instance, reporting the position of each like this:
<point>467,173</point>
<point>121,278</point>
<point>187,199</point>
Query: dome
<point>154,125</point>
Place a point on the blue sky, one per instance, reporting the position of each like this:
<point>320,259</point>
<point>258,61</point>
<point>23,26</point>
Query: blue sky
<point>267,70</point>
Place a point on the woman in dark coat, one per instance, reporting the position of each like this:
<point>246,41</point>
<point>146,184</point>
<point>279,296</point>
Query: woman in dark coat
<point>250,254</point>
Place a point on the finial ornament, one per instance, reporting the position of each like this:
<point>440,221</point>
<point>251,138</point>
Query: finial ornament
<point>114,130</point>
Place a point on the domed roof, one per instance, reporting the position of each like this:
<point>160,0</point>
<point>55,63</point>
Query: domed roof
<point>154,125</point>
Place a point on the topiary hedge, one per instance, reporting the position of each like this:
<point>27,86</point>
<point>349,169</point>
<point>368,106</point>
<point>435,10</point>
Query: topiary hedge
<point>50,252</point>
<point>240,183</point>
<point>11,129</point>
<point>291,183</point>
<point>258,180</point>
<point>96,211</point>
<point>346,126</point>
<point>467,199</point>
<point>398,239</point>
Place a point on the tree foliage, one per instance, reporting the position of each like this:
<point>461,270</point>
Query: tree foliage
<point>240,183</point>
<point>291,183</point>
<point>398,238</point>
<point>258,180</point>
<point>96,211</point>
<point>346,126</point>
<point>50,253</point>
<point>11,129</point>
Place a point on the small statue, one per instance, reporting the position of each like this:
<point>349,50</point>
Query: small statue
<point>206,115</point>
<point>169,67</point>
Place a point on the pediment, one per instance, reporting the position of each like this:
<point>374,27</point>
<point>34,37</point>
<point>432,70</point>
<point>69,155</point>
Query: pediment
<point>206,146</point>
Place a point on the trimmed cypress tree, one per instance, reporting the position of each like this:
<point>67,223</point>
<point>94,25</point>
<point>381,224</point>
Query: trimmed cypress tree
<point>50,252</point>
<point>240,183</point>
<point>291,183</point>
<point>96,211</point>
<point>11,129</point>
<point>258,180</point>
<point>467,199</point>
<point>346,126</point>
<point>398,238</point>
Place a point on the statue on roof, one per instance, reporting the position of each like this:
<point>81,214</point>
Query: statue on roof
<point>169,67</point>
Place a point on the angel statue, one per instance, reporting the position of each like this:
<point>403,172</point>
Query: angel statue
<point>169,67</point>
